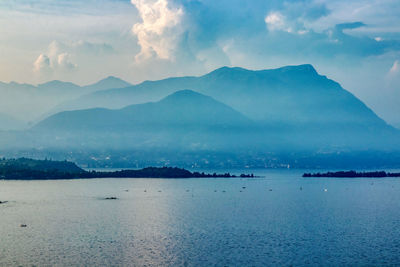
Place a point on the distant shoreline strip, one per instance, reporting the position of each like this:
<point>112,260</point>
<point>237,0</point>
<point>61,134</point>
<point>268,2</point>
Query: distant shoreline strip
<point>352,174</point>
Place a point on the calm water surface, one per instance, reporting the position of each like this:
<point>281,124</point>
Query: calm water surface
<point>278,220</point>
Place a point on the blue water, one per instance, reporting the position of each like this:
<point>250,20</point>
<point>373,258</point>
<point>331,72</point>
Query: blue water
<point>278,220</point>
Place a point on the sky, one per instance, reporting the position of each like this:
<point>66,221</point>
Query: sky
<point>356,43</point>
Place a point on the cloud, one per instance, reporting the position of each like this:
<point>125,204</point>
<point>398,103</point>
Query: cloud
<point>54,49</point>
<point>276,21</point>
<point>305,10</point>
<point>42,63</point>
<point>258,33</point>
<point>63,61</point>
<point>61,56</point>
<point>160,30</point>
<point>381,15</point>
<point>395,69</point>
<point>92,48</point>
<point>60,59</point>
<point>349,26</point>
<point>55,59</point>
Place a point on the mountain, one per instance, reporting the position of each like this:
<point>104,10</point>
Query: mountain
<point>180,119</point>
<point>233,116</point>
<point>28,102</point>
<point>58,87</point>
<point>183,108</point>
<point>292,94</point>
<point>110,82</point>
<point>295,103</point>
<point>9,123</point>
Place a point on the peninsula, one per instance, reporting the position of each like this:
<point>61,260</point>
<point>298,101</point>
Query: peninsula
<point>30,169</point>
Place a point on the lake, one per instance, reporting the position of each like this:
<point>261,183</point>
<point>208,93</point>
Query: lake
<point>281,219</point>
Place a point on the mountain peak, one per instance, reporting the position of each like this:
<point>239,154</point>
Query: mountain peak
<point>58,84</point>
<point>303,68</point>
<point>110,82</point>
<point>186,96</point>
<point>111,78</point>
<point>226,69</point>
<point>232,72</point>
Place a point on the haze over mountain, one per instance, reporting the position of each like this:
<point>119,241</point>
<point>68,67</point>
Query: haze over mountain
<point>9,123</point>
<point>254,115</point>
<point>107,83</point>
<point>184,118</point>
<point>28,102</point>
<point>183,108</point>
<point>290,94</point>
<point>291,108</point>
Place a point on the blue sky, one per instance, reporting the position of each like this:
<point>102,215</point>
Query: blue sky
<point>356,42</point>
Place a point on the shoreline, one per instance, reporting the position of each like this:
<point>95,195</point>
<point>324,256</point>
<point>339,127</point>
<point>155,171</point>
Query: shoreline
<point>352,174</point>
<point>30,169</point>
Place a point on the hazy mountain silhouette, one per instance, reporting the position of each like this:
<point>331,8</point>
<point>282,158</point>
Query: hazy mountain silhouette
<point>28,102</point>
<point>184,118</point>
<point>248,115</point>
<point>108,83</point>
<point>7,122</point>
<point>181,109</point>
<point>58,87</point>
<point>293,94</point>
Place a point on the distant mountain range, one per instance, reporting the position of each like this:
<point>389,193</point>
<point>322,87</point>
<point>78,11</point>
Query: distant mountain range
<point>184,108</point>
<point>28,102</point>
<point>294,102</point>
<point>184,120</point>
<point>9,123</point>
<point>286,95</point>
<point>251,115</point>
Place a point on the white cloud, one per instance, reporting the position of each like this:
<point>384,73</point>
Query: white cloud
<point>160,30</point>
<point>54,50</point>
<point>301,32</point>
<point>392,78</point>
<point>395,68</point>
<point>382,16</point>
<point>275,21</point>
<point>55,59</point>
<point>63,61</point>
<point>42,63</point>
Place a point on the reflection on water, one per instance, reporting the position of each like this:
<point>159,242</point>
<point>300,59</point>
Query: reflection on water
<point>281,219</point>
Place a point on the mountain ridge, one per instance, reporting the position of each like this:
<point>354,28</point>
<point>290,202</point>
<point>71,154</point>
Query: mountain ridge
<point>30,102</point>
<point>183,107</point>
<point>260,94</point>
<point>230,112</point>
